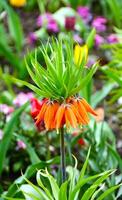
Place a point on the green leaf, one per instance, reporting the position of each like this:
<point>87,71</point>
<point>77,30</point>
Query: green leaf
<point>84,166</point>
<point>74,190</point>
<point>30,193</point>
<point>50,66</point>
<point>30,171</point>
<point>115,9</point>
<point>15,26</point>
<point>63,191</point>
<point>99,95</point>
<point>85,80</point>
<point>3,35</point>
<point>42,185</point>
<point>80,184</point>
<point>97,191</point>
<point>89,192</point>
<point>54,185</point>
<point>8,132</point>
<point>90,38</point>
<point>33,191</point>
<point>29,85</point>
<point>108,191</point>
<point>10,198</point>
<point>73,174</point>
<point>10,56</point>
<point>113,74</point>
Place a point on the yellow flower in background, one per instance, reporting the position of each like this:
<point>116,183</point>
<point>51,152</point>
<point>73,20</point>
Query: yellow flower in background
<point>17,3</point>
<point>80,52</point>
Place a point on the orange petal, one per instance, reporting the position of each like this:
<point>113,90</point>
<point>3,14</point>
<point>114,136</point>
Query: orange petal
<point>76,105</point>
<point>77,114</point>
<point>66,120</point>
<point>40,116</point>
<point>59,116</point>
<point>55,108</point>
<point>48,116</point>
<point>83,112</point>
<point>70,116</point>
<point>88,107</point>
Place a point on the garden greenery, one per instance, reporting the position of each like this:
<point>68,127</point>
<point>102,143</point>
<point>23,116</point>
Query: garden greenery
<point>60,95</point>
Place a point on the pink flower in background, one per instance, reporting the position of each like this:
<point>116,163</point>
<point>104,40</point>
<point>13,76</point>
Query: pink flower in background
<point>6,109</point>
<point>99,23</point>
<point>52,26</point>
<point>48,21</point>
<point>77,38</point>
<point>70,23</point>
<point>22,98</point>
<point>44,19</point>
<point>1,134</point>
<point>84,12</point>
<point>32,38</point>
<point>20,145</point>
<point>112,38</point>
<point>99,40</point>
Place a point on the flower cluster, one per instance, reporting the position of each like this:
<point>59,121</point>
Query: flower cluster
<point>84,13</point>
<point>99,23</point>
<point>73,112</point>
<point>48,21</point>
<point>57,22</point>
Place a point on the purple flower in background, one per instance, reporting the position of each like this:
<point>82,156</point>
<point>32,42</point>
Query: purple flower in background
<point>6,109</point>
<point>99,40</point>
<point>52,26</point>
<point>44,19</point>
<point>20,145</point>
<point>99,23</point>
<point>77,38</point>
<point>1,134</point>
<point>22,98</point>
<point>84,12</point>
<point>48,21</point>
<point>32,38</point>
<point>112,38</point>
<point>70,23</point>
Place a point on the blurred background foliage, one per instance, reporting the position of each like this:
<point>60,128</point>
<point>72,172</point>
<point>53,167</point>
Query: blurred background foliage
<point>22,146</point>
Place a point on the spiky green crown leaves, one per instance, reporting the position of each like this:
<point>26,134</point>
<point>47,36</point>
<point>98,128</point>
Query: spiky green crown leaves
<point>63,76</point>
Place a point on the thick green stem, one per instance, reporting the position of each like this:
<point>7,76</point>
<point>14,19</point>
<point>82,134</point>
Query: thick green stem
<point>62,152</point>
<point>68,139</point>
<point>48,145</point>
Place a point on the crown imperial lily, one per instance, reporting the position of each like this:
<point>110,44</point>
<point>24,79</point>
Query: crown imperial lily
<point>60,83</point>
